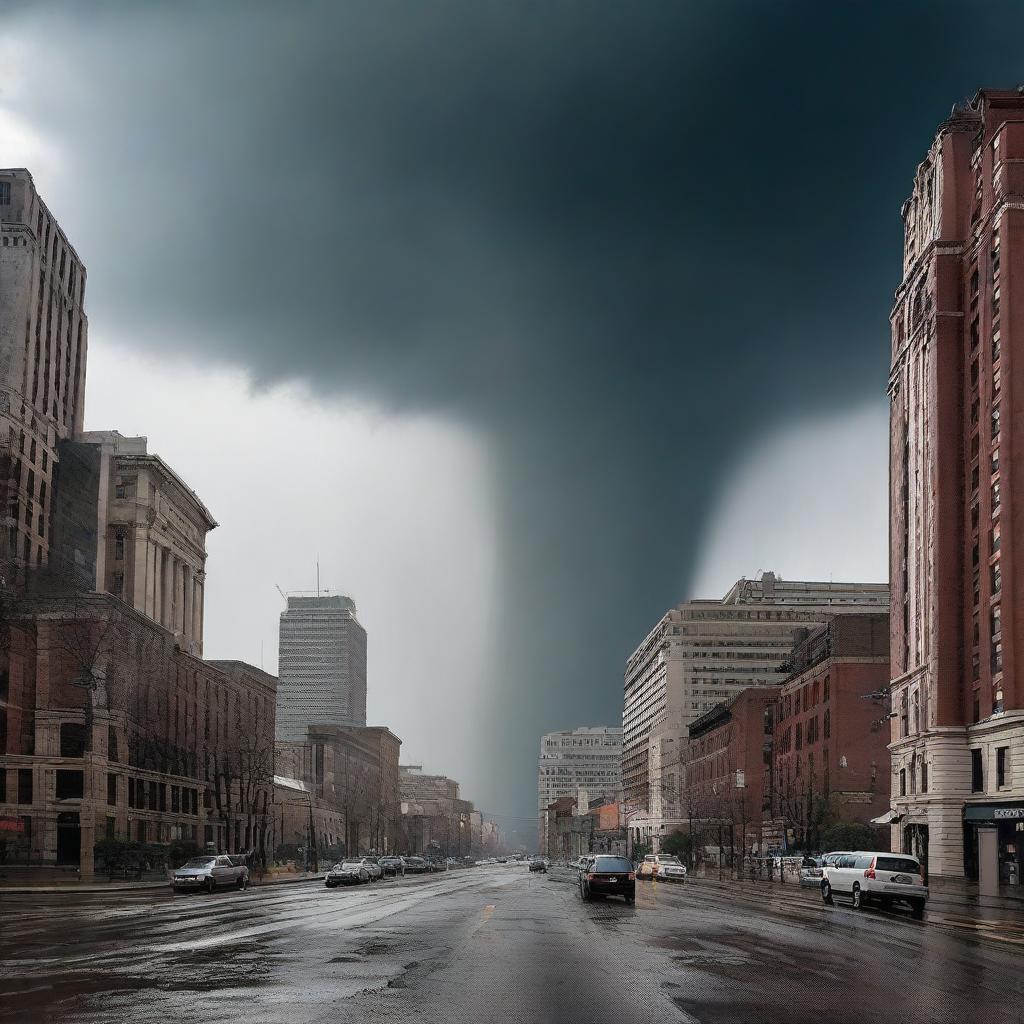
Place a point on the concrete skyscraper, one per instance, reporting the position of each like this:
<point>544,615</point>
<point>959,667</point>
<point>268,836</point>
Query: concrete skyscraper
<point>321,666</point>
<point>956,495</point>
<point>43,346</point>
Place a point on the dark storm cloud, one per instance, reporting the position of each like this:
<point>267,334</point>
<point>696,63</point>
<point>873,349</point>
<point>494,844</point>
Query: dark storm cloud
<point>616,240</point>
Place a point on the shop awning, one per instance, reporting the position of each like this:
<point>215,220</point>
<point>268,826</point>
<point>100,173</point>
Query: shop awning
<point>994,812</point>
<point>888,818</point>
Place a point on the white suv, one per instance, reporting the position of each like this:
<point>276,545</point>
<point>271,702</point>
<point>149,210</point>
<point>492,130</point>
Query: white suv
<point>883,878</point>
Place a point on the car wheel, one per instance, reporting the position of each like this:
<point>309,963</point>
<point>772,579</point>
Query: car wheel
<point>630,899</point>
<point>210,886</point>
<point>240,884</point>
<point>826,894</point>
<point>917,910</point>
<point>858,897</point>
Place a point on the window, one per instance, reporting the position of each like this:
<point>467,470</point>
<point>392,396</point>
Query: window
<point>996,620</point>
<point>904,715</point>
<point>111,826</point>
<point>112,744</point>
<point>826,687</point>
<point>119,546</point>
<point>924,776</point>
<point>5,193</point>
<point>72,739</point>
<point>917,711</point>
<point>111,789</point>
<point>995,541</point>
<point>996,345</point>
<point>1001,766</point>
<point>977,772</point>
<point>995,497</point>
<point>70,784</point>
<point>828,723</point>
<point>117,583</point>
<point>24,785</point>
<point>997,657</point>
<point>976,710</point>
<point>995,423</point>
<point>903,782</point>
<point>997,578</point>
<point>995,462</point>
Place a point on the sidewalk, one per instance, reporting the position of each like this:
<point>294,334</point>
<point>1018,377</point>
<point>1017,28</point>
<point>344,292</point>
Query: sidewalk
<point>95,886</point>
<point>947,895</point>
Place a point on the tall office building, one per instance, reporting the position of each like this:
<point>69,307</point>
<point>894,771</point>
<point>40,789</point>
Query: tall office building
<point>588,759</point>
<point>43,346</point>
<point>956,496</point>
<point>703,653</point>
<point>321,666</point>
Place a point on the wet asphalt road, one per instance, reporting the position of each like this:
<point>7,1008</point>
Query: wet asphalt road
<point>491,944</point>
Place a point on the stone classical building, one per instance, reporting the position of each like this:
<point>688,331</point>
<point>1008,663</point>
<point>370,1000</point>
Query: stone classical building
<point>150,536</point>
<point>108,730</point>
<point>43,349</point>
<point>322,665</point>
<point>304,827</point>
<point>825,757</point>
<point>702,653</point>
<point>956,495</point>
<point>588,758</point>
<point>354,772</point>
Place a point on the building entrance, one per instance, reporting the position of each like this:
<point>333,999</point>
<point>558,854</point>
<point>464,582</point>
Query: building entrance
<point>69,838</point>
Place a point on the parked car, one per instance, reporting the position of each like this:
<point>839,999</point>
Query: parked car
<point>210,873</point>
<point>539,864</point>
<point>811,872</point>
<point>503,860</point>
<point>872,877</point>
<point>373,868</point>
<point>650,867</point>
<point>392,866</point>
<point>671,869</point>
<point>606,875</point>
<point>351,872</point>
<point>434,864</point>
<point>416,866</point>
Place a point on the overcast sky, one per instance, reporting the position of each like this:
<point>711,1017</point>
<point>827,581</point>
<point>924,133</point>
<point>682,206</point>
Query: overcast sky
<point>528,319</point>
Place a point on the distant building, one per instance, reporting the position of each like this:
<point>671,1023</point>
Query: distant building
<point>588,758</point>
<point>321,665</point>
<point>43,350</point>
<point>956,491</point>
<point>354,771</point>
<point>702,653</point>
<point>435,820</point>
<point>828,740</point>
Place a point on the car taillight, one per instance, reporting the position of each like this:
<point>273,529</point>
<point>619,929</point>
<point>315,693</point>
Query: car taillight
<point>870,873</point>
<point>590,877</point>
<point>632,876</point>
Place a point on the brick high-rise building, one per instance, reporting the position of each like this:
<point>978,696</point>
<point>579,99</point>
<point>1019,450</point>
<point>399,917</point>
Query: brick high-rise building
<point>43,346</point>
<point>957,497</point>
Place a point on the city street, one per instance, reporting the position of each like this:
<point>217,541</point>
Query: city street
<point>492,943</point>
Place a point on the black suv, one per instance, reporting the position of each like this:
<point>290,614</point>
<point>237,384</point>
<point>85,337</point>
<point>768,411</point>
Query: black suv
<point>605,875</point>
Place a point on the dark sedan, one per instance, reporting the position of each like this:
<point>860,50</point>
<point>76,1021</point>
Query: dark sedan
<point>608,876</point>
<point>416,866</point>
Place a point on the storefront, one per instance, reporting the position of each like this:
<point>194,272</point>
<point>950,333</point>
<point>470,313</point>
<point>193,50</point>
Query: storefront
<point>1008,820</point>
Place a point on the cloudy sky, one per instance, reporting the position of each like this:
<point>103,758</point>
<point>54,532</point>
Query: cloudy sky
<point>527,320</point>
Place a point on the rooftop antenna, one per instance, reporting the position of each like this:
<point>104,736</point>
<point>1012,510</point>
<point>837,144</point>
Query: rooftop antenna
<point>318,577</point>
<point>284,596</point>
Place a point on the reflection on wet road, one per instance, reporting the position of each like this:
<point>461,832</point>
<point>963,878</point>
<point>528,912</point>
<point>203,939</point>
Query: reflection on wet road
<point>490,943</point>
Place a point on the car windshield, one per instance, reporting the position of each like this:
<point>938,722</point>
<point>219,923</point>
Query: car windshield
<point>611,864</point>
<point>351,865</point>
<point>670,860</point>
<point>200,862</point>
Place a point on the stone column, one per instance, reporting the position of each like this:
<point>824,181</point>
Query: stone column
<point>149,607</point>
<point>140,550</point>
<point>186,627</point>
<point>200,597</point>
<point>167,610</point>
<point>158,582</point>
